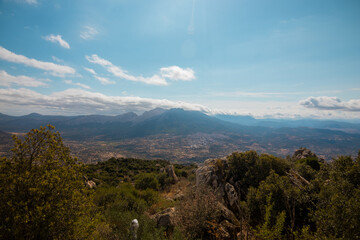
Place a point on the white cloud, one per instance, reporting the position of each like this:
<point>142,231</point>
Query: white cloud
<point>55,69</point>
<point>89,33</point>
<point>92,71</point>
<point>331,103</point>
<point>172,73</point>
<point>177,73</point>
<point>80,101</point>
<point>102,80</point>
<point>77,84</point>
<point>57,39</point>
<point>6,80</point>
<point>118,72</point>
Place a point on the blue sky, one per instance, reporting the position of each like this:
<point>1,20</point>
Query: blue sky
<point>281,59</point>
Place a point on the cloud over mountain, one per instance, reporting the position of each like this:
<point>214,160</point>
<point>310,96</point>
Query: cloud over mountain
<point>84,102</point>
<point>331,103</point>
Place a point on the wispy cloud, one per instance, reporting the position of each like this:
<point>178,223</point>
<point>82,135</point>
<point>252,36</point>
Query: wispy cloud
<point>118,72</point>
<point>172,73</point>
<point>55,69</point>
<point>57,39</point>
<point>6,80</point>
<point>84,102</point>
<point>102,80</point>
<point>331,103</point>
<point>57,59</point>
<point>70,82</point>
<point>89,32</point>
<point>92,71</point>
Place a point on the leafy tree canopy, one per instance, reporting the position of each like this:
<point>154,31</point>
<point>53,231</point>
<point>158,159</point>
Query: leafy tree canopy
<point>42,192</point>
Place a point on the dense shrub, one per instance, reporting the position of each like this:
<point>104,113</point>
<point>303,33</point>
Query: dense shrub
<point>147,180</point>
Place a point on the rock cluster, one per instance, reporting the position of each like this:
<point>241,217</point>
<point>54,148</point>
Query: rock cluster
<point>210,175</point>
<point>302,153</point>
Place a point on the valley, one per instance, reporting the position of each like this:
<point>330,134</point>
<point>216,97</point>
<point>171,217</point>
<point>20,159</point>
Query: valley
<point>184,136</point>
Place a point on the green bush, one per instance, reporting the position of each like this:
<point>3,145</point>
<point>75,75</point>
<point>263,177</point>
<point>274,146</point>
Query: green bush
<point>313,162</point>
<point>147,180</point>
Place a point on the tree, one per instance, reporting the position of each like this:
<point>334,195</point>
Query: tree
<point>338,209</point>
<point>42,192</point>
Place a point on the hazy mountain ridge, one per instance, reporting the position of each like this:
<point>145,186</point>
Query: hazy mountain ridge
<point>350,126</point>
<point>188,135</point>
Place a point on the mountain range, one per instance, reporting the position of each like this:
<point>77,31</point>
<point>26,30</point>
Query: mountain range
<point>181,135</point>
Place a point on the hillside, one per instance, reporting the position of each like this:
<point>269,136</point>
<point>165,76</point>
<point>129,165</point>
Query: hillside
<point>244,195</point>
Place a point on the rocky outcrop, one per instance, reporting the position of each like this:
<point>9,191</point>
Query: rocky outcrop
<point>211,174</point>
<point>208,175</point>
<point>165,218</point>
<point>227,214</point>
<point>231,195</point>
<point>171,173</point>
<point>302,153</point>
<point>89,183</point>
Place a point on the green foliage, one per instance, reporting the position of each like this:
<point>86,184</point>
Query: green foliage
<point>306,171</point>
<point>42,193</point>
<point>124,203</point>
<point>313,162</point>
<point>286,197</point>
<point>114,171</point>
<point>337,214</point>
<point>147,181</point>
<point>270,231</point>
<point>249,169</point>
<point>164,180</point>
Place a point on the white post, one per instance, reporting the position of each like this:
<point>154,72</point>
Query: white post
<point>134,226</point>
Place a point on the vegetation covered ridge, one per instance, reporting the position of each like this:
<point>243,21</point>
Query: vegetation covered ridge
<point>46,193</point>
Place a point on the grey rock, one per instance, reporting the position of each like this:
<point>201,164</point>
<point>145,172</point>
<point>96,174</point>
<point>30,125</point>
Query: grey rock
<point>171,172</point>
<point>165,218</point>
<point>91,184</point>
<point>302,153</point>
<point>231,194</point>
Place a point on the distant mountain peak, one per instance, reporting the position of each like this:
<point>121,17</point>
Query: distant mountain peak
<point>33,115</point>
<point>151,113</point>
